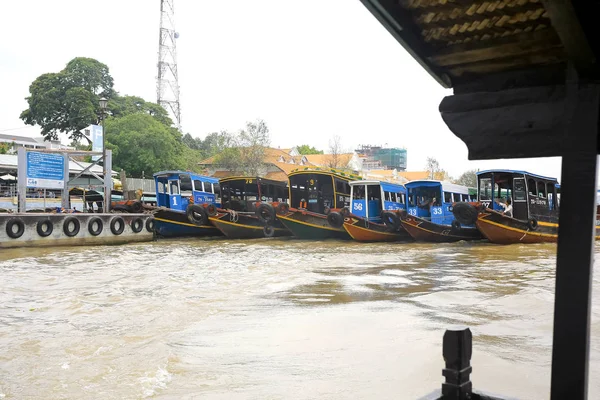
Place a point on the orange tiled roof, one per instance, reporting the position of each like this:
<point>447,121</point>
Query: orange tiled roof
<point>323,159</point>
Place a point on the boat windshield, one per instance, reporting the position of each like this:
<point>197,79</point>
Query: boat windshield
<point>424,196</point>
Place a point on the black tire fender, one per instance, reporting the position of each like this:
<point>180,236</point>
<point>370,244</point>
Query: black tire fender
<point>269,231</point>
<point>99,226</point>
<point>345,211</point>
<point>20,228</point>
<point>456,225</point>
<point>391,220</point>
<point>265,213</point>
<point>532,224</point>
<point>137,207</point>
<point>197,214</point>
<point>44,227</point>
<point>465,213</point>
<point>67,224</point>
<point>137,225</point>
<point>335,219</point>
<point>211,210</point>
<point>113,225</point>
<point>150,224</point>
<point>282,208</point>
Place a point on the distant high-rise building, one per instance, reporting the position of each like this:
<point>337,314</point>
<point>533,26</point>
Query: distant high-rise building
<point>378,157</point>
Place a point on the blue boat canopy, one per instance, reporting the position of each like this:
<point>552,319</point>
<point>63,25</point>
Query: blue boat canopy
<point>510,171</point>
<point>191,174</point>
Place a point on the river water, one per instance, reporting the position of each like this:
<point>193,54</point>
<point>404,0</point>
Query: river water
<point>275,319</point>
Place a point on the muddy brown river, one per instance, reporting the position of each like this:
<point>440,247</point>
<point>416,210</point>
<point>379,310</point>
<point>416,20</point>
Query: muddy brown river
<point>275,319</point>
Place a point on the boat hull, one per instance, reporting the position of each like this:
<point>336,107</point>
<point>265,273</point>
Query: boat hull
<point>427,231</point>
<point>172,223</point>
<point>308,225</point>
<point>501,229</point>
<point>245,226</point>
<point>363,231</point>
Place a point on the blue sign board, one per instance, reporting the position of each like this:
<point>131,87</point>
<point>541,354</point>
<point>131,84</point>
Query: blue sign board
<point>45,170</point>
<point>97,134</point>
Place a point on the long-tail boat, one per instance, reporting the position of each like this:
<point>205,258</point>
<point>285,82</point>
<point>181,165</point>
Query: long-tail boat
<point>429,215</point>
<point>315,193</point>
<point>249,208</point>
<point>533,217</point>
<point>371,202</point>
<point>176,191</point>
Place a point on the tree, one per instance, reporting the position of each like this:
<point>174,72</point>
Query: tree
<point>6,148</point>
<point>335,152</point>
<point>468,178</point>
<point>141,143</point>
<point>247,151</point>
<point>67,101</point>
<point>216,142</point>
<point>435,171</point>
<point>192,142</point>
<point>119,106</point>
<point>305,149</point>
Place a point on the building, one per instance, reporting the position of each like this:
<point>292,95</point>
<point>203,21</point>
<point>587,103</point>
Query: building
<point>15,141</point>
<point>378,157</point>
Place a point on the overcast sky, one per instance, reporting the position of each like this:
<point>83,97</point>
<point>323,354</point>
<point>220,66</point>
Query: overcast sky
<point>311,69</point>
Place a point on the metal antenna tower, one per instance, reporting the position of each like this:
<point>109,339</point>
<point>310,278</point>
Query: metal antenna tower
<point>167,85</point>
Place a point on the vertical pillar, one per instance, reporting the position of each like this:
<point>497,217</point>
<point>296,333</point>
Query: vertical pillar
<point>457,350</point>
<point>570,348</point>
<point>22,179</point>
<point>107,165</point>
<point>65,199</point>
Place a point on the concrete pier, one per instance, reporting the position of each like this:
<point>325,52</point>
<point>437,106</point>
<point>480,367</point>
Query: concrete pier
<point>78,229</point>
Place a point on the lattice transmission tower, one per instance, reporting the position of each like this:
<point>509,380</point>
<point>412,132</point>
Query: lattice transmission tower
<point>167,84</point>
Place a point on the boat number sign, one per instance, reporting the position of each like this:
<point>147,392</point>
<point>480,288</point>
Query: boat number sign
<point>45,170</point>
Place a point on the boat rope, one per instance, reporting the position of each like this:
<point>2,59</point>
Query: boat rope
<point>233,216</point>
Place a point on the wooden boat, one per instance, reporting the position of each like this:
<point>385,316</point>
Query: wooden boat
<point>249,208</point>
<point>429,215</point>
<point>179,195</point>
<point>371,201</point>
<point>535,207</point>
<point>314,193</point>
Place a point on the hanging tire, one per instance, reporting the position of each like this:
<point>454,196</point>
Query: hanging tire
<point>197,214</point>
<point>465,213</point>
<point>532,224</point>
<point>11,224</point>
<point>71,231</point>
<point>456,226</point>
<point>282,208</point>
<point>137,225</point>
<point>150,224</point>
<point>335,219</point>
<point>326,210</point>
<point>265,213</point>
<point>44,228</point>
<point>345,211</point>
<point>137,207</point>
<point>113,225</point>
<point>391,220</point>
<point>211,209</point>
<point>99,226</point>
<point>269,231</point>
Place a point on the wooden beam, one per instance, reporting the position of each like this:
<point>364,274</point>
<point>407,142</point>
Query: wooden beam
<point>506,47</point>
<point>514,123</point>
<point>564,20</point>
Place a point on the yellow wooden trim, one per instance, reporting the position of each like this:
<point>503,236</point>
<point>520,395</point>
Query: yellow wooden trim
<point>308,224</point>
<point>550,224</point>
<point>184,223</point>
<point>241,225</point>
<point>417,226</point>
<point>518,230</point>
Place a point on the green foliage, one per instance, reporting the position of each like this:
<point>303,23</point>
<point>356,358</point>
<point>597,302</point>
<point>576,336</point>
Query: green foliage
<point>68,101</point>
<point>141,143</point>
<point>119,106</point>
<point>305,149</point>
<point>468,179</point>
<point>216,142</point>
<point>246,151</point>
<point>6,148</point>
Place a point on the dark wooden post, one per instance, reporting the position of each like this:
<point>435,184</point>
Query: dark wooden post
<point>458,348</point>
<point>574,262</point>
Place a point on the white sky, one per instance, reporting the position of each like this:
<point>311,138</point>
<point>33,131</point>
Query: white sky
<point>311,69</point>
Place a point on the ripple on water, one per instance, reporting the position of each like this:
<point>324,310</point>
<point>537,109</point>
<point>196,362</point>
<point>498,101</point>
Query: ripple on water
<point>273,318</point>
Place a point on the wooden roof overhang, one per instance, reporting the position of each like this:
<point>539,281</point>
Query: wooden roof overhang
<point>526,84</point>
<point>480,48</point>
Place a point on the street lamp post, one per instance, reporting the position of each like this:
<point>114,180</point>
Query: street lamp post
<point>106,174</point>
